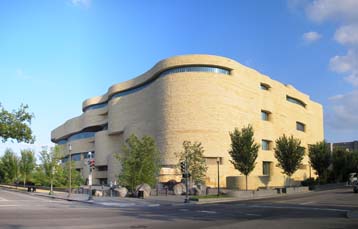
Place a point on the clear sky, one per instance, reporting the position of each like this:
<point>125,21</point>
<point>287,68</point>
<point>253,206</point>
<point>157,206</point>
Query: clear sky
<point>55,54</point>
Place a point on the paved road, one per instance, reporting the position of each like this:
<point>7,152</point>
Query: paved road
<point>325,209</point>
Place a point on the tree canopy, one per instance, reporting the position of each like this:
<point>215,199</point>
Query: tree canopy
<point>9,166</point>
<point>27,164</point>
<point>289,154</point>
<point>320,158</point>
<point>243,150</point>
<point>15,125</point>
<point>140,162</point>
<point>193,154</point>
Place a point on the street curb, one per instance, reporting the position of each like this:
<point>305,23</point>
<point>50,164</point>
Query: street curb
<point>352,215</point>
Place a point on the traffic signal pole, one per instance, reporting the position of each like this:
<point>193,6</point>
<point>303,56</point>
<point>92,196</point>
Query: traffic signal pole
<point>91,164</point>
<point>186,181</point>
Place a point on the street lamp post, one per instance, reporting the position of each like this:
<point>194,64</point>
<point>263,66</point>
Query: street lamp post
<point>90,177</point>
<point>52,174</point>
<point>218,163</point>
<point>70,170</point>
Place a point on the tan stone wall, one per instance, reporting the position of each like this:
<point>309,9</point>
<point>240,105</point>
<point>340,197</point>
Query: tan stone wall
<point>204,107</point>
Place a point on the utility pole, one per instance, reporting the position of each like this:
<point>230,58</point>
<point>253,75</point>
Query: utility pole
<point>70,170</point>
<point>186,181</point>
<point>218,162</point>
<point>91,164</point>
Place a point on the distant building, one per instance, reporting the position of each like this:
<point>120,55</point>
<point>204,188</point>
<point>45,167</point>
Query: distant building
<point>196,98</point>
<point>349,146</point>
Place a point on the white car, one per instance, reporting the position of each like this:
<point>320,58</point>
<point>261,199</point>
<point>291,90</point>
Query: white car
<point>352,178</point>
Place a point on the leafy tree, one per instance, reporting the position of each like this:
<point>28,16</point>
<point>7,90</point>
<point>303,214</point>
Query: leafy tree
<point>50,164</point>
<point>243,150</point>
<point>9,165</point>
<point>289,154</point>
<point>140,162</point>
<point>320,158</point>
<point>344,162</point>
<point>193,154</point>
<point>16,125</point>
<point>27,163</point>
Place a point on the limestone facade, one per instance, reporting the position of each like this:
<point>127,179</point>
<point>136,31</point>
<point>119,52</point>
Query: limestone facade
<point>197,98</point>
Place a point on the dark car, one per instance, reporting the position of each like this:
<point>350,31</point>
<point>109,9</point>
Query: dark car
<point>355,187</point>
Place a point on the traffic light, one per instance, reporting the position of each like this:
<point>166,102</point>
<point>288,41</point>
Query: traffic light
<point>92,164</point>
<point>182,167</point>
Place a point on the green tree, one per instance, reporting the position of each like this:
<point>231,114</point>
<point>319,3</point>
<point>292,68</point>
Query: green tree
<point>344,162</point>
<point>140,162</point>
<point>244,150</point>
<point>50,164</point>
<point>9,165</point>
<point>193,154</point>
<point>27,164</point>
<point>289,154</point>
<point>320,158</point>
<point>16,125</point>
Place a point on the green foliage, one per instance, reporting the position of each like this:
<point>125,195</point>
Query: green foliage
<point>289,154</point>
<point>140,162</point>
<point>320,158</point>
<point>244,150</point>
<point>344,162</point>
<point>16,125</point>
<point>50,163</point>
<point>27,163</point>
<point>9,166</point>
<point>193,154</point>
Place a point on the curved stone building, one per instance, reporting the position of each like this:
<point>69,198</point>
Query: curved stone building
<point>196,98</point>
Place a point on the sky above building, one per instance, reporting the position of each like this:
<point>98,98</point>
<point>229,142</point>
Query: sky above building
<point>55,54</point>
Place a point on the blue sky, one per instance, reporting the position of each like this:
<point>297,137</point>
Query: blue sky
<point>55,54</point>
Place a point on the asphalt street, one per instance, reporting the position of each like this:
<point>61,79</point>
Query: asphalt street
<point>324,209</point>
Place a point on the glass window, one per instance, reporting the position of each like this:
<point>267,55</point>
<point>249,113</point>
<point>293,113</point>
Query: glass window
<point>76,157</point>
<point>62,142</point>
<point>265,115</point>
<point>95,106</point>
<point>86,155</point>
<point>196,69</point>
<point>265,144</point>
<point>300,126</point>
<point>266,168</point>
<point>102,168</point>
<point>296,101</point>
<point>264,86</point>
<point>81,135</point>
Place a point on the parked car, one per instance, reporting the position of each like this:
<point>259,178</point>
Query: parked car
<point>352,178</point>
<point>355,187</point>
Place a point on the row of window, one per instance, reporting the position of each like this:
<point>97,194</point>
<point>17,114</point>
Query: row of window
<point>200,68</point>
<point>77,157</point>
<point>78,136</point>
<point>291,99</point>
<point>267,167</point>
<point>266,116</point>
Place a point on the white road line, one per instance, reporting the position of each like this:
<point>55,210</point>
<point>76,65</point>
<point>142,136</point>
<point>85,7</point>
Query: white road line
<point>208,212</point>
<point>3,199</point>
<point>248,214</point>
<point>305,203</point>
<point>300,208</point>
<point>8,205</point>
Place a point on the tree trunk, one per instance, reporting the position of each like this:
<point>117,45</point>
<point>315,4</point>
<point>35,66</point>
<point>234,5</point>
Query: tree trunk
<point>24,180</point>
<point>246,182</point>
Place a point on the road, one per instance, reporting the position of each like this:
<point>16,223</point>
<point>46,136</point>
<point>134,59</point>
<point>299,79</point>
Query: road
<point>324,209</point>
